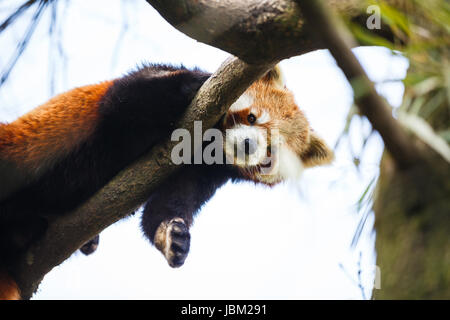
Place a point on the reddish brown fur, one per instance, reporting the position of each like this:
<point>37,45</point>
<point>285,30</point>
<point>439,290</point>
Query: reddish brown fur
<point>42,136</point>
<point>8,288</point>
<point>284,113</point>
<point>271,96</point>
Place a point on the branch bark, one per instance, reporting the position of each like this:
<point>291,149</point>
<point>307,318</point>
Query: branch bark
<point>257,31</point>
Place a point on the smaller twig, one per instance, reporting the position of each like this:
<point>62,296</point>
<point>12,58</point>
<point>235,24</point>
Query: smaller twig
<point>357,282</point>
<point>360,286</point>
<point>16,14</point>
<point>51,35</point>
<point>24,42</point>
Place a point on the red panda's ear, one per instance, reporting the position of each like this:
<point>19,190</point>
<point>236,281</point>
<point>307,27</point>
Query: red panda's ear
<point>275,77</point>
<point>317,153</point>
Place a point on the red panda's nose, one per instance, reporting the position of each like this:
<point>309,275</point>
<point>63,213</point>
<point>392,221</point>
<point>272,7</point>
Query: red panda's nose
<point>249,146</point>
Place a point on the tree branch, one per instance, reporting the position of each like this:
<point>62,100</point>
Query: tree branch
<point>340,41</point>
<point>257,31</point>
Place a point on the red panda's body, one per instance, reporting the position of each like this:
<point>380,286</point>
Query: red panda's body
<point>68,148</point>
<point>41,137</point>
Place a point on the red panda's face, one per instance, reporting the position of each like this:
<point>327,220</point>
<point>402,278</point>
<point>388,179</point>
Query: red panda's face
<point>267,136</point>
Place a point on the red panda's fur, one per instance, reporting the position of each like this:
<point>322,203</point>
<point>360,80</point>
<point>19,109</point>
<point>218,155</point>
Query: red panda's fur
<point>41,137</point>
<point>38,139</point>
<point>8,287</point>
<point>71,146</point>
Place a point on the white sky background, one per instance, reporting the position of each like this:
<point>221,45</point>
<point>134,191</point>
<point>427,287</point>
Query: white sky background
<point>248,242</point>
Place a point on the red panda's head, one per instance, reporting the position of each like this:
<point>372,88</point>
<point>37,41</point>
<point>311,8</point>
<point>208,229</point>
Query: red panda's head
<point>268,137</point>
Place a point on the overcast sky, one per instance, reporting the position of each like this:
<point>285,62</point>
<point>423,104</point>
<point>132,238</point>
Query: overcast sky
<point>289,242</point>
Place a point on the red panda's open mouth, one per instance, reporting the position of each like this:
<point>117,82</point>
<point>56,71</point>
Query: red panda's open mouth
<point>266,165</point>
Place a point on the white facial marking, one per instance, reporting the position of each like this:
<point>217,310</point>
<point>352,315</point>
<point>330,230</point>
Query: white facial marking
<point>244,102</point>
<point>236,136</point>
<point>290,165</point>
<point>285,164</point>
<point>263,118</point>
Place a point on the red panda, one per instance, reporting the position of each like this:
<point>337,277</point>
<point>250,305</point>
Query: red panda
<point>69,147</point>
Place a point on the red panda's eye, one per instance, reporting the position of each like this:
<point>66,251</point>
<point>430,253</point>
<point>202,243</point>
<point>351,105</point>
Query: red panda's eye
<point>251,118</point>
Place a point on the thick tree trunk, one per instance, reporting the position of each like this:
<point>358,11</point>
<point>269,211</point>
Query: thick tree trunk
<point>412,210</point>
<point>412,204</point>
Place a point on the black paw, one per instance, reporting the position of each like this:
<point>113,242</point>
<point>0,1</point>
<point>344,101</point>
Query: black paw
<point>179,241</point>
<point>90,246</point>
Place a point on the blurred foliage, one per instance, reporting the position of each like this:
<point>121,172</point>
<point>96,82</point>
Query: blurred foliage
<point>427,84</point>
<point>411,206</point>
<point>420,31</point>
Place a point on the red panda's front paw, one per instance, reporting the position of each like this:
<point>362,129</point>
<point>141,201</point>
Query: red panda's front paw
<point>173,239</point>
